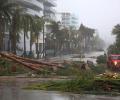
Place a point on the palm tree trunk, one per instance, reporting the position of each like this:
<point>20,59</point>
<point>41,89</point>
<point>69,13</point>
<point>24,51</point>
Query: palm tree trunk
<point>13,34</point>
<point>1,34</point>
<point>30,53</point>
<point>1,42</point>
<point>24,54</point>
<point>9,41</point>
<point>37,46</point>
<point>30,41</point>
<point>13,43</point>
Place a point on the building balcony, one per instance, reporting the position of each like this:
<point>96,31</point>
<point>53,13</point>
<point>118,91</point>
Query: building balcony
<point>49,10</point>
<point>32,4</point>
<point>34,13</point>
<point>50,3</point>
<point>50,17</point>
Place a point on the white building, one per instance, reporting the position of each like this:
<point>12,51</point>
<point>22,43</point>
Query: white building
<point>67,19</point>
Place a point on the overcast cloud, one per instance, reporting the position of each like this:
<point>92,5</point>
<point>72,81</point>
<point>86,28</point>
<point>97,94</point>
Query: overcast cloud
<point>102,15</point>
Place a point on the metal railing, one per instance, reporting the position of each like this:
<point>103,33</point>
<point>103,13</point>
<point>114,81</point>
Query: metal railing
<point>50,2</point>
<point>49,9</point>
<point>32,4</point>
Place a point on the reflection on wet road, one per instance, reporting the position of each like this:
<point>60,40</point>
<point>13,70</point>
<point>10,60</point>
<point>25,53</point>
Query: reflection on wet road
<point>12,91</point>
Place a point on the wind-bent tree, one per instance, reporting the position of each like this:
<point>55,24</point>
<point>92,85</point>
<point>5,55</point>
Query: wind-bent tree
<point>64,39</point>
<point>55,31</point>
<point>85,37</point>
<point>15,29</point>
<point>116,32</point>
<point>5,18</point>
<point>115,48</point>
<point>73,40</point>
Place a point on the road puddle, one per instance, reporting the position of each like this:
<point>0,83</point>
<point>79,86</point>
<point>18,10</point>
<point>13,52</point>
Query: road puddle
<point>12,91</point>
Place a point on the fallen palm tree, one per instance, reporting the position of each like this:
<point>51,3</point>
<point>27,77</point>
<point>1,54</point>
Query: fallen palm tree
<point>35,61</point>
<point>19,61</point>
<point>30,63</point>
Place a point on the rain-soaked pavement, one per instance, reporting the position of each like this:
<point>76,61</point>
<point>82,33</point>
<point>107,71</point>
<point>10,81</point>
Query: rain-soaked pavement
<point>11,90</point>
<point>73,57</point>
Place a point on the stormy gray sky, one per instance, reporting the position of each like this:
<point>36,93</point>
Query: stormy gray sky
<point>102,15</point>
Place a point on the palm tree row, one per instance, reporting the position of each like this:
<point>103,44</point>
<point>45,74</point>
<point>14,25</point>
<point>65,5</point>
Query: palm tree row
<point>115,48</point>
<point>18,22</point>
<point>72,40</point>
<point>5,13</point>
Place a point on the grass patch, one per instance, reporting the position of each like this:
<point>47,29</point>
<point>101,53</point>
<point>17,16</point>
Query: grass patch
<point>80,86</point>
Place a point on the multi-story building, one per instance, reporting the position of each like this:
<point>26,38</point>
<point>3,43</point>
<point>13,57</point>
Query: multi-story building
<point>38,7</point>
<point>41,8</point>
<point>68,20</point>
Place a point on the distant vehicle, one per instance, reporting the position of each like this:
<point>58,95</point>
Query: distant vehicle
<point>113,61</point>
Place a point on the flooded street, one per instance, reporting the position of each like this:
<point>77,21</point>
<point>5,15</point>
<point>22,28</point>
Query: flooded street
<point>54,49</point>
<point>11,90</point>
<point>92,56</point>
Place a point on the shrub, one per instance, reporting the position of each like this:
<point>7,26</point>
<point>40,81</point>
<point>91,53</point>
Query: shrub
<point>99,68</point>
<point>109,85</point>
<point>101,59</point>
<point>8,67</point>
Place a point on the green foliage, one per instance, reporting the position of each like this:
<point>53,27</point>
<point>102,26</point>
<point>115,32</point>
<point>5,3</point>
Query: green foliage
<point>5,18</point>
<point>96,86</point>
<point>83,82</point>
<point>67,71</point>
<point>98,69</point>
<point>101,59</point>
<point>46,72</point>
<point>108,85</point>
<point>70,69</point>
<point>76,86</point>
<point>115,48</point>
<point>6,67</point>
